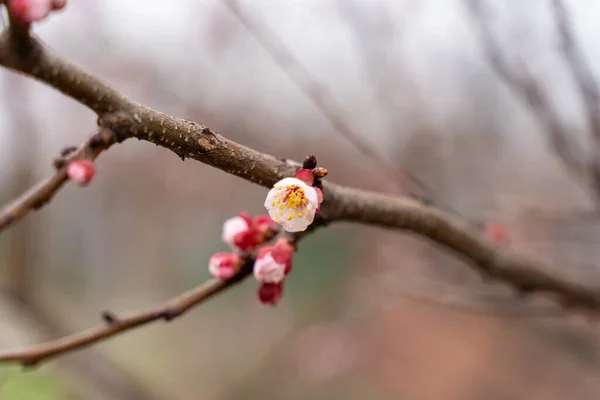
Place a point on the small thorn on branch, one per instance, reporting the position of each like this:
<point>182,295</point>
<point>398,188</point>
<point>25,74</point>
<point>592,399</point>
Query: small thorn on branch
<point>424,200</point>
<point>170,314</point>
<point>67,150</point>
<point>109,317</point>
<point>29,363</point>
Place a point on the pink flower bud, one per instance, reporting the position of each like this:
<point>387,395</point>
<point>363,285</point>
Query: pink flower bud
<point>306,176</point>
<point>81,172</point>
<point>270,293</point>
<point>247,240</point>
<point>244,233</point>
<point>274,262</point>
<point>266,268</point>
<point>224,265</point>
<point>233,227</point>
<point>264,223</point>
<point>496,232</point>
<point>239,232</point>
<point>283,253</point>
<point>28,11</point>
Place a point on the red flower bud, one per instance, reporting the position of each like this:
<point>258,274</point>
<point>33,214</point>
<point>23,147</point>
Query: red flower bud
<point>81,172</point>
<point>224,265</point>
<point>270,293</point>
<point>28,11</point>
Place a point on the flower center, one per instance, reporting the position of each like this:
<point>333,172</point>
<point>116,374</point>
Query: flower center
<point>295,197</point>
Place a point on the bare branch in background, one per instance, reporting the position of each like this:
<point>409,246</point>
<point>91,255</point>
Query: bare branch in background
<point>41,194</point>
<point>528,89</point>
<point>584,78</point>
<point>124,118</point>
<point>308,84</point>
<point>93,368</point>
<point>115,325</point>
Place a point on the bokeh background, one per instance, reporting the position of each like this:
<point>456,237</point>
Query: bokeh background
<point>367,313</point>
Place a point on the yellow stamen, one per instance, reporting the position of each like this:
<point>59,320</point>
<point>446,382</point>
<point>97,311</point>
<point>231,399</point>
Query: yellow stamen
<point>296,198</point>
<point>291,217</point>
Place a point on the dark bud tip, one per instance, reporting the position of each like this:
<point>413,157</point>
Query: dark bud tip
<point>109,317</point>
<point>426,201</point>
<point>169,315</point>
<point>310,162</point>
<point>29,364</point>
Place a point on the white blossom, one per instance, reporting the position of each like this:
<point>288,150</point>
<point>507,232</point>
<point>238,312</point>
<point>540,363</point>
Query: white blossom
<point>292,204</point>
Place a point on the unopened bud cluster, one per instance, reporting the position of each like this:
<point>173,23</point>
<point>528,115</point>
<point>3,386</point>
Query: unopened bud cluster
<point>291,204</point>
<point>26,12</point>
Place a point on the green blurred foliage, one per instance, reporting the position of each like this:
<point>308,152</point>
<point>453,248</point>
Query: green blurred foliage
<point>19,384</point>
<point>320,266</point>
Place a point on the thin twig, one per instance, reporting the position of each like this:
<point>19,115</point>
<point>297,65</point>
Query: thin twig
<point>585,81</point>
<point>173,308</point>
<point>42,193</point>
<point>529,90</point>
<point>322,99</point>
<point>129,119</point>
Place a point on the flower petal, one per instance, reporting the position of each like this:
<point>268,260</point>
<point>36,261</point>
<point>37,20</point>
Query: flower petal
<point>266,269</point>
<point>296,225</point>
<point>232,227</point>
<point>270,293</point>
<point>306,176</point>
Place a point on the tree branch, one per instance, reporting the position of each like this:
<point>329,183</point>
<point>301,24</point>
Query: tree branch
<point>309,85</point>
<point>529,90</point>
<point>584,79</point>
<point>114,325</point>
<point>128,119</point>
<point>41,194</point>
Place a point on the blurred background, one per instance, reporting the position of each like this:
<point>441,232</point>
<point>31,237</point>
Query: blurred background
<point>432,89</point>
